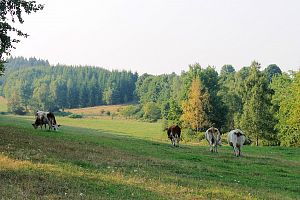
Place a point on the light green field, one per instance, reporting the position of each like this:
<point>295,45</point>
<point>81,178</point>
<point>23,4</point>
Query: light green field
<point>115,159</point>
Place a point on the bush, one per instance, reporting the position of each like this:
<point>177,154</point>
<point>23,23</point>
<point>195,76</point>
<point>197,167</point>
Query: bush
<point>188,135</point>
<point>62,113</point>
<point>151,112</point>
<point>75,116</point>
<point>131,111</point>
<point>102,111</point>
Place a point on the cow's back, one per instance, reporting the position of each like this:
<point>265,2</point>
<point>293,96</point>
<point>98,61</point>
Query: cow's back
<point>174,130</point>
<point>234,138</point>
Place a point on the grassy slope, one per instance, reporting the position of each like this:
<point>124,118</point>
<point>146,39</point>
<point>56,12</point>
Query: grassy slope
<point>111,159</point>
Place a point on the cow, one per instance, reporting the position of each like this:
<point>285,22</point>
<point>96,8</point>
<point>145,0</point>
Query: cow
<point>174,134</point>
<point>213,137</point>
<point>43,118</point>
<point>40,120</point>
<point>236,139</point>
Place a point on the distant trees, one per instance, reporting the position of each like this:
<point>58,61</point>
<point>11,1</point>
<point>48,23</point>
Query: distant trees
<point>59,87</point>
<point>10,10</point>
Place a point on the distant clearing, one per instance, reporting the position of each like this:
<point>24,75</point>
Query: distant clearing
<point>97,110</point>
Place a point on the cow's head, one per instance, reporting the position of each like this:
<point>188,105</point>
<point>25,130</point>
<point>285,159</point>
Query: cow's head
<point>55,126</point>
<point>35,126</point>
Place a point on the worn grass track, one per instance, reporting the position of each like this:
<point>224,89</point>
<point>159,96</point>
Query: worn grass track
<point>117,159</point>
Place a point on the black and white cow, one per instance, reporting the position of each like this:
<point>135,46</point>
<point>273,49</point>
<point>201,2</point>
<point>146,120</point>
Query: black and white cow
<point>236,139</point>
<point>174,134</point>
<point>213,136</point>
<point>44,118</point>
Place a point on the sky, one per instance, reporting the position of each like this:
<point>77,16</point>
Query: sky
<point>164,36</point>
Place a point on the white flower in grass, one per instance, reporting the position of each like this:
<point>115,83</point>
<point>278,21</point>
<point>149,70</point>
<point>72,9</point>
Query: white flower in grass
<point>81,194</point>
<point>135,170</point>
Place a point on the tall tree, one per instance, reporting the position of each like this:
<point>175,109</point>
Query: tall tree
<point>9,11</point>
<point>257,119</point>
<point>286,99</point>
<point>194,108</point>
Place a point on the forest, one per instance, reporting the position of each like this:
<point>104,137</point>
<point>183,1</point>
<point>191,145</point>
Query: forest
<point>262,102</point>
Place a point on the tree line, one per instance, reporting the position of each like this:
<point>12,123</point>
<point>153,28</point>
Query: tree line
<point>263,103</point>
<point>30,86</point>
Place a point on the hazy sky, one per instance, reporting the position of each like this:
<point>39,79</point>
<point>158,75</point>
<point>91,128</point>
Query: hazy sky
<point>162,36</point>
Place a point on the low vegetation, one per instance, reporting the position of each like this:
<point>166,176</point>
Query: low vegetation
<point>119,159</point>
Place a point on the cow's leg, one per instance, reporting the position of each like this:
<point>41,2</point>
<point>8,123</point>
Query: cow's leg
<point>211,147</point>
<point>239,150</point>
<point>216,147</point>
<point>171,140</point>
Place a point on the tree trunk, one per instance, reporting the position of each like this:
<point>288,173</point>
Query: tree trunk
<point>256,140</point>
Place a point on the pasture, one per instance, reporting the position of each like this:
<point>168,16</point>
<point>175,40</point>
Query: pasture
<point>119,159</point>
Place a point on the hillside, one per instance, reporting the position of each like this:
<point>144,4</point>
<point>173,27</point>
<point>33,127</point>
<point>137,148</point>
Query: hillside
<point>117,159</point>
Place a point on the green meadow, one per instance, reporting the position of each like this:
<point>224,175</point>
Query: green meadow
<point>118,159</point>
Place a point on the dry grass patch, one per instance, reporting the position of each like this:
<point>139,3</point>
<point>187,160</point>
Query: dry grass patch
<point>97,110</point>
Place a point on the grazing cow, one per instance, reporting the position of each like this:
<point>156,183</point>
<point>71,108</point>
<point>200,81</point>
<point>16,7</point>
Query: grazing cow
<point>174,134</point>
<point>40,121</point>
<point>236,139</point>
<point>43,118</point>
<point>213,136</point>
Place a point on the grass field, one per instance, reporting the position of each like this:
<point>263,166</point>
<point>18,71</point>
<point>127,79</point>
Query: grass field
<point>118,159</point>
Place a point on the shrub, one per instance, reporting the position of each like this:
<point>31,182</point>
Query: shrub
<point>151,111</point>
<point>75,116</point>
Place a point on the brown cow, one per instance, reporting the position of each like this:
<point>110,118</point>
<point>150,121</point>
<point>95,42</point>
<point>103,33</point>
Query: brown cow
<point>174,134</point>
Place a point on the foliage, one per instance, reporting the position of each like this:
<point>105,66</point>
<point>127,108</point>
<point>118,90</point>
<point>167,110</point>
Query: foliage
<point>194,109</point>
<point>10,10</point>
<point>151,111</point>
<point>257,120</point>
<point>286,99</point>
<point>130,111</point>
<point>272,70</point>
<point>75,116</point>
